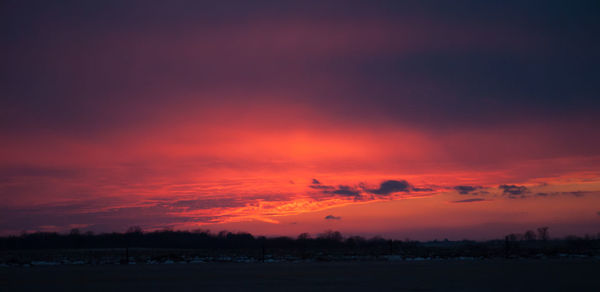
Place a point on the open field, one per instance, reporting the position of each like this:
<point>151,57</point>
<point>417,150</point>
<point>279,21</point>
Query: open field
<point>447,275</point>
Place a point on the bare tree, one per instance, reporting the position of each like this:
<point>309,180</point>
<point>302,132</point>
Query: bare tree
<point>512,237</point>
<point>543,233</point>
<point>135,229</point>
<point>331,235</point>
<point>304,236</point>
<point>529,235</point>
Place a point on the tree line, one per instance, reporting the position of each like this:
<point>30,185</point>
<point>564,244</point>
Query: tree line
<point>516,244</point>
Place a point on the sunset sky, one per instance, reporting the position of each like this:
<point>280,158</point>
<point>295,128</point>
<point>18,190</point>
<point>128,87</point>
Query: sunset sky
<point>416,119</point>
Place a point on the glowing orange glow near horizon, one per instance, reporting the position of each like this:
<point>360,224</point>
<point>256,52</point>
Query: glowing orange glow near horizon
<point>198,177</point>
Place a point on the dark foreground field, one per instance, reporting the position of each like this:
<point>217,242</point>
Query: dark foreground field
<point>490,275</point>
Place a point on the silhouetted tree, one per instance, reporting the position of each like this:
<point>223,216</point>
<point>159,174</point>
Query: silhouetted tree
<point>356,241</point>
<point>329,243</point>
<point>543,233</point>
<point>529,235</point>
<point>134,229</point>
<point>75,238</point>
<point>304,236</point>
<point>330,235</point>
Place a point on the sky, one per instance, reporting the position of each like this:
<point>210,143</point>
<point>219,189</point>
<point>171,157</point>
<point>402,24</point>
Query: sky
<point>405,119</point>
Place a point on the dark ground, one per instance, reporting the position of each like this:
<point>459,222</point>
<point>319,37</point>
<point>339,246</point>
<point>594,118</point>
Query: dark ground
<point>451,275</point>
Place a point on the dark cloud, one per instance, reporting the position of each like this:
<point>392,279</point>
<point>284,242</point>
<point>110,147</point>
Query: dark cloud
<point>331,217</point>
<point>391,186</point>
<point>465,190</point>
<point>345,191</point>
<point>316,184</point>
<point>422,189</point>
<point>573,193</point>
<point>321,187</point>
<point>469,200</point>
<point>465,51</point>
<point>514,191</point>
<point>342,190</point>
<point>385,188</point>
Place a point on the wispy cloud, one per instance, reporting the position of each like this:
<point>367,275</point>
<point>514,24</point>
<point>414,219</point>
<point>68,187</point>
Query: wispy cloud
<point>514,191</point>
<point>464,189</point>
<point>473,200</point>
<point>391,186</point>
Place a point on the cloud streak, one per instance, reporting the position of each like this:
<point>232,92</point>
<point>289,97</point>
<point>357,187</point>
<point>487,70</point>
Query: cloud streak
<point>391,186</point>
<point>464,190</point>
<point>473,200</point>
<point>514,191</point>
